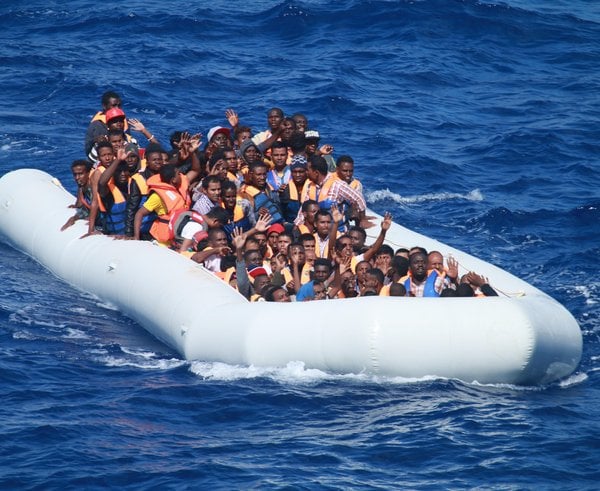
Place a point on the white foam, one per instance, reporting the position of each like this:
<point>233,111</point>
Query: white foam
<point>575,379</point>
<point>584,290</point>
<point>75,334</point>
<point>136,359</point>
<point>386,194</point>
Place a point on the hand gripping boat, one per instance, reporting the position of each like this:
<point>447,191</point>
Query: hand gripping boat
<point>522,337</point>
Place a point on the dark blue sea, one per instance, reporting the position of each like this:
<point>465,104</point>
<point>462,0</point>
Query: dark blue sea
<point>477,123</point>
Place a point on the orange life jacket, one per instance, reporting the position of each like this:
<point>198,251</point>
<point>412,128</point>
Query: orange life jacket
<point>173,198</point>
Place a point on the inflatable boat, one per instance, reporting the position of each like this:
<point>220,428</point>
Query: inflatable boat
<point>521,337</point>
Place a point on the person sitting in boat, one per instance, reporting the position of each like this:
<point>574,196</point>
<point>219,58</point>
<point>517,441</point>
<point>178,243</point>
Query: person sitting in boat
<point>315,290</point>
<point>383,261</point>
<point>239,209</point>
<point>256,191</point>
<point>359,237</point>
<point>322,272</point>
<point>240,135</point>
<point>374,280</point>
<point>327,190</point>
<point>190,229</point>
<point>138,188</point>
<point>279,176</point>
<point>312,148</point>
<point>209,195</point>
<point>435,260</point>
<point>479,286</point>
<point>273,236</point>
<point>217,247</point>
<point>232,167</point>
<point>283,242</point>
<point>301,122</point>
<point>421,281</point>
<point>274,118</point>
<point>169,193</point>
<point>309,244</point>
<point>81,175</point>
<point>289,198</point>
<point>106,155</point>
<point>296,271</point>
<point>308,210</point>
<point>113,191</point>
<point>276,294</point>
<point>326,226</point>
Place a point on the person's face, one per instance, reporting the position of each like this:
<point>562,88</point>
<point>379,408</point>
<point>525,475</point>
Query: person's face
<point>122,175</point>
<point>361,271</point>
<point>218,239</point>
<point>260,282</point>
<point>323,225</point>
<point>258,177</point>
<point>116,124</point>
<point>321,272</point>
<point>346,247</point>
<point>229,198</point>
<point>272,239</point>
<point>80,175</point>
<point>312,174</point>
<point>319,291</point>
<point>282,243</point>
<point>357,238</point>
<point>311,146</point>
<point>177,179</point>
<point>221,140</point>
<point>251,154</point>
<point>112,102</point>
<point>436,261</point>
<point>132,159</point>
<point>345,171</point>
<point>280,295</point>
<point>297,254</point>
<point>220,169</point>
<point>348,281</point>
<point>418,266</point>
<point>310,213</point>
<point>309,247</point>
<point>383,262</point>
<point>299,176</point>
<point>301,123</point>
<point>254,258</point>
<point>154,161</point>
<point>242,137</point>
<point>288,128</point>
<point>371,282</point>
<point>117,141</point>
<point>231,163</point>
<point>274,119</point>
<point>213,191</point>
<point>279,157</point>
<point>261,238</point>
<point>106,156</point>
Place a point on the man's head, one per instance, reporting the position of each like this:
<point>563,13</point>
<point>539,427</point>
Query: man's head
<point>323,223</point>
<point>417,264</point>
<point>106,154</point>
<point>345,168</point>
<point>110,99</point>
<point>81,172</point>
<point>435,260</point>
<point>321,269</point>
<point>257,175</point>
<point>211,187</point>
<point>274,118</point>
<point>279,155</point>
<point>317,168</point>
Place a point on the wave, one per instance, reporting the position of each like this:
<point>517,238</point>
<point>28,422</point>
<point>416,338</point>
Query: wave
<point>386,194</point>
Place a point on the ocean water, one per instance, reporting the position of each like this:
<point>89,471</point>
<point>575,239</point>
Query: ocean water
<point>477,123</point>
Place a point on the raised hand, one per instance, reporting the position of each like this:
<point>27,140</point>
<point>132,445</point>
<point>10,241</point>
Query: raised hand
<point>136,125</point>
<point>232,117</point>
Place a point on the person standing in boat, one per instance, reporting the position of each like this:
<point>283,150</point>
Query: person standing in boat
<point>97,128</point>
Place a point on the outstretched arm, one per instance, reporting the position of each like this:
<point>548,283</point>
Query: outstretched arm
<point>385,226</point>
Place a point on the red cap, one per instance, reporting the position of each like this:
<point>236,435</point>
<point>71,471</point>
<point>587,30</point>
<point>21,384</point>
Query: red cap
<point>276,227</point>
<point>114,113</point>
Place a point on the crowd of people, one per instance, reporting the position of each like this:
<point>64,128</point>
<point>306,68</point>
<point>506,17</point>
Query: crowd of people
<point>272,213</point>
